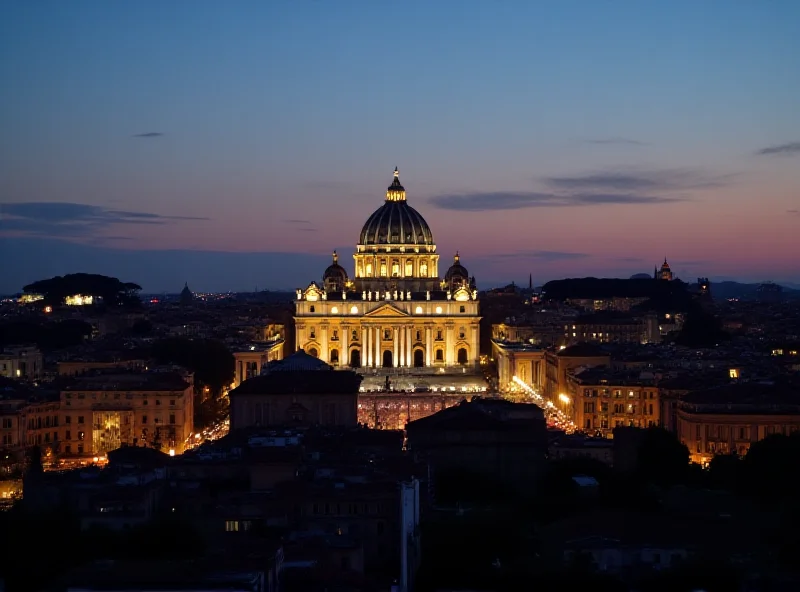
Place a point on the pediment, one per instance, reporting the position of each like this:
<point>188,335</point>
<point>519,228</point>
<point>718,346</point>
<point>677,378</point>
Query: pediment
<point>387,310</point>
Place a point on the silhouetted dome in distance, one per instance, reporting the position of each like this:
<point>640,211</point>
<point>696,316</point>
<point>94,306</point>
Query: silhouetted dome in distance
<point>186,294</point>
<point>642,276</point>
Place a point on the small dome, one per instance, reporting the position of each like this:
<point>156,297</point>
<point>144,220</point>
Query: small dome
<point>395,222</point>
<point>457,272</point>
<point>299,361</point>
<point>335,276</point>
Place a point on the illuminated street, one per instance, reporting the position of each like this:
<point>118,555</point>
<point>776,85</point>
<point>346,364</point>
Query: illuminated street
<point>554,416</point>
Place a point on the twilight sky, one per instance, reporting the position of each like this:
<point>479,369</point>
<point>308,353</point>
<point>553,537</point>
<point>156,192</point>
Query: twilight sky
<point>235,144</point>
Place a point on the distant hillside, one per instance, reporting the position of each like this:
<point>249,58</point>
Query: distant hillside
<point>725,290</point>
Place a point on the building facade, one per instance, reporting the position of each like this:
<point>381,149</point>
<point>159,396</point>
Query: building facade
<point>104,410</point>
<point>601,399</point>
<point>251,361</point>
<point>21,362</point>
<point>396,312</point>
<point>299,390</point>
<point>730,418</point>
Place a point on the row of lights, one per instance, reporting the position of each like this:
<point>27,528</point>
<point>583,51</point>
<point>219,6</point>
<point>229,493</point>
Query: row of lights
<point>354,310</point>
<point>548,406</point>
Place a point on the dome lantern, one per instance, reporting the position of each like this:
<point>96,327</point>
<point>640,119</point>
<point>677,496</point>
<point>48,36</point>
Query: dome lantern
<point>395,191</point>
<point>396,223</point>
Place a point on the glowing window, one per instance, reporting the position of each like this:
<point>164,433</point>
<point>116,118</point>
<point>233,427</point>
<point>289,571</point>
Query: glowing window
<point>354,310</point>
<point>438,310</point>
<point>335,310</point>
<point>418,310</point>
<point>395,269</point>
<point>369,269</point>
<point>409,268</point>
<point>423,269</point>
<point>383,270</point>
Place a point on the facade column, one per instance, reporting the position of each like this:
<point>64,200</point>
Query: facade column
<point>427,346</point>
<point>403,349</point>
<point>366,353</point>
<point>475,346</point>
<point>378,348</point>
<point>449,343</point>
<point>396,344</point>
<point>409,349</point>
<point>344,355</point>
<point>325,353</point>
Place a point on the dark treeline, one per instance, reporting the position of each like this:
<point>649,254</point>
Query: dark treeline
<point>113,291</point>
<point>674,292</point>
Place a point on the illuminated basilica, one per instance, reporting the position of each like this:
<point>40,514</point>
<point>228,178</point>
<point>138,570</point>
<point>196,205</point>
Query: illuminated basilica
<point>397,312</point>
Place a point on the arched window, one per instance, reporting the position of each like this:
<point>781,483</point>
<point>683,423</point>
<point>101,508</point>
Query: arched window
<point>440,355</point>
<point>409,269</point>
<point>313,352</point>
<point>395,269</point>
<point>383,268</point>
<point>423,269</point>
<point>335,356</point>
<point>462,356</point>
<point>369,269</point>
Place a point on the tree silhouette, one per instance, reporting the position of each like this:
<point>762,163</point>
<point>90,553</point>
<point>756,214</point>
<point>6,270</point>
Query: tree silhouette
<point>701,328</point>
<point>764,469</point>
<point>212,363</point>
<point>113,292</point>
<point>661,458</point>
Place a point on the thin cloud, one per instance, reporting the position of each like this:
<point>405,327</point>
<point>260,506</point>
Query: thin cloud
<point>655,180</point>
<point>540,255</point>
<point>299,222</point>
<point>620,141</point>
<point>510,200</point>
<point>785,149</point>
<point>74,220</point>
<point>793,212</point>
<point>615,187</point>
<point>149,135</point>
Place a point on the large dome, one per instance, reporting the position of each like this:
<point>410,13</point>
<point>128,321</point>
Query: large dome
<point>395,222</point>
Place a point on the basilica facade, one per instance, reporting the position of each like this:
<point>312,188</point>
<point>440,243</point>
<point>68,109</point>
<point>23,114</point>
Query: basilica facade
<point>396,311</point>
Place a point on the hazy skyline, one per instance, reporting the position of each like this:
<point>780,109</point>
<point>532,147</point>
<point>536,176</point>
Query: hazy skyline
<point>155,141</point>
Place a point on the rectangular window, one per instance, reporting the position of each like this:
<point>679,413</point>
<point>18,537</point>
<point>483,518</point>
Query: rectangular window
<point>231,526</point>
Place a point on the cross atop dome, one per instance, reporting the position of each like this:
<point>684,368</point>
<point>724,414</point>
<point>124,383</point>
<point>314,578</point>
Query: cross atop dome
<point>335,258</point>
<point>396,192</point>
